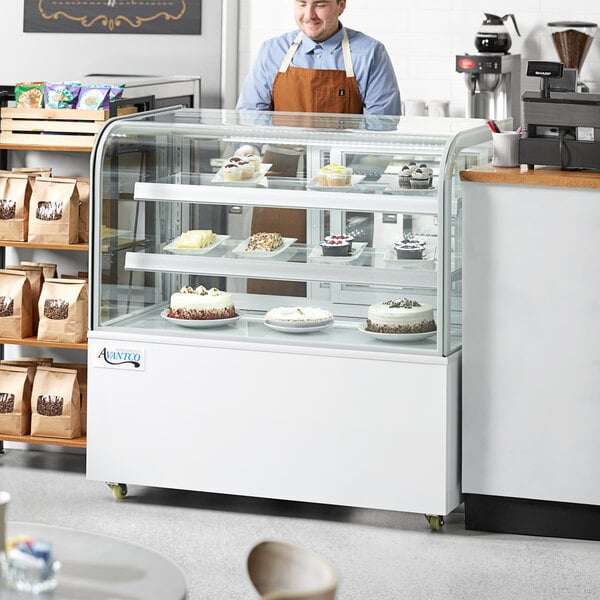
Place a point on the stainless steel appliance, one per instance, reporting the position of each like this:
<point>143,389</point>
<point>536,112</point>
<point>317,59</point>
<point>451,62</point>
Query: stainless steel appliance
<point>493,75</point>
<point>560,128</point>
<point>493,83</point>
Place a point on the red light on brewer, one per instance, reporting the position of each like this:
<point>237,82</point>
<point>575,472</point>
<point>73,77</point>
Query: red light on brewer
<point>466,63</point>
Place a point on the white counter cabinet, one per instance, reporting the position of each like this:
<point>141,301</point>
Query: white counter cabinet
<point>531,370</point>
<point>335,415</point>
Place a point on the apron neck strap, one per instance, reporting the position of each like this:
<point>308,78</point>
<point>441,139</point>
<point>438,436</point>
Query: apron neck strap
<point>287,61</point>
<point>290,54</point>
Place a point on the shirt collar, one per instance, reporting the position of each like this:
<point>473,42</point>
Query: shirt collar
<point>329,45</point>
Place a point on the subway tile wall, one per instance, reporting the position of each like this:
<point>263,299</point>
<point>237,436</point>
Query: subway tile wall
<point>424,38</point>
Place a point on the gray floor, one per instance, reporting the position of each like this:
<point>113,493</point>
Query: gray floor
<point>381,555</point>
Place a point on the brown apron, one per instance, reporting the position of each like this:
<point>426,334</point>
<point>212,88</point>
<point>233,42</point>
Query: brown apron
<point>301,90</point>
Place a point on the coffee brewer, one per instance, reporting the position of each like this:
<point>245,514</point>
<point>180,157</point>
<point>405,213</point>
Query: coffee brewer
<point>493,75</point>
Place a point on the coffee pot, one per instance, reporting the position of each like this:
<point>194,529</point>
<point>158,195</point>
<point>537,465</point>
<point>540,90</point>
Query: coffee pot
<point>493,36</point>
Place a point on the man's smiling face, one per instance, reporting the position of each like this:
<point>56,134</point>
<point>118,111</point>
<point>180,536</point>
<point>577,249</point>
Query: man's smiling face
<point>318,19</point>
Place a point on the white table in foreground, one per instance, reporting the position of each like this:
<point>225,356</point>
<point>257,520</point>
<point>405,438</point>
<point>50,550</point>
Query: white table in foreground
<point>100,567</point>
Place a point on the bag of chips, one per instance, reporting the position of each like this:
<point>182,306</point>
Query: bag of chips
<point>30,94</point>
<point>61,95</point>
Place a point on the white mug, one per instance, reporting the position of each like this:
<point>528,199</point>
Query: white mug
<point>506,149</point>
<point>438,108</point>
<point>414,108</point>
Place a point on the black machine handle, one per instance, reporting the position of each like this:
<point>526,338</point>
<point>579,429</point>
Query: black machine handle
<point>545,70</point>
<point>514,22</point>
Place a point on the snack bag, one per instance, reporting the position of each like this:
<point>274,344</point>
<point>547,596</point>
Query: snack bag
<point>61,95</point>
<point>94,97</point>
<point>56,403</point>
<point>30,94</point>
<point>16,319</point>
<point>63,311</point>
<point>15,194</point>
<point>15,399</point>
<point>116,91</point>
<point>54,211</point>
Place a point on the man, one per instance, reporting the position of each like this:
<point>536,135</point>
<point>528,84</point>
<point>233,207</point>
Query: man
<point>322,68</point>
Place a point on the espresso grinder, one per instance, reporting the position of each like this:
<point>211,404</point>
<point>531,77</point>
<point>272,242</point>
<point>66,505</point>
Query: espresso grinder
<point>492,75</point>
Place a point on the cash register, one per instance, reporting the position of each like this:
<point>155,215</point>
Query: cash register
<point>560,126</point>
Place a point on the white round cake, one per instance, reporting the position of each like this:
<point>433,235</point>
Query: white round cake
<point>200,303</point>
<point>400,316</point>
<point>298,316</point>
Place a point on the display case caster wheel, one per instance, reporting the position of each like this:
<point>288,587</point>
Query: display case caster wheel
<point>436,522</point>
<point>119,490</point>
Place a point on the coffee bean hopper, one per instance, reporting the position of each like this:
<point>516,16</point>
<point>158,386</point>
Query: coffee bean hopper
<point>572,40</point>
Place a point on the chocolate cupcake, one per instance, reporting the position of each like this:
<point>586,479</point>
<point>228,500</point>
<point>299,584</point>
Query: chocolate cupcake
<point>335,248</point>
<point>404,177</point>
<point>419,180</point>
<point>409,248</point>
<point>340,237</point>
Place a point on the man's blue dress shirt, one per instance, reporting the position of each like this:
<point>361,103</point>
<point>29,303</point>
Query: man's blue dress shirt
<point>372,68</point>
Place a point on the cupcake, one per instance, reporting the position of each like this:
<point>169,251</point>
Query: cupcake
<point>404,177</point>
<point>255,161</point>
<point>323,176</point>
<point>412,165</point>
<point>336,178</point>
<point>335,247</point>
<point>247,169</point>
<point>426,169</point>
<point>419,180</point>
<point>409,248</point>
<point>232,172</point>
<point>340,237</point>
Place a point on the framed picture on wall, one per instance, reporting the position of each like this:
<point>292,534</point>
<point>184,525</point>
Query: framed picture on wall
<point>181,17</point>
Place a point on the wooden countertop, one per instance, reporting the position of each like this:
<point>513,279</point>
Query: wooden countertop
<point>542,176</point>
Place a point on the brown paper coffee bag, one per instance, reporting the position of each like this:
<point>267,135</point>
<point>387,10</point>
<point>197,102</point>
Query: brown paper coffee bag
<point>16,319</point>
<point>15,194</point>
<point>49,269</point>
<point>54,211</point>
<point>83,189</point>
<point>15,399</point>
<point>82,380</point>
<point>35,171</point>
<point>35,275</point>
<point>55,403</point>
<point>63,308</point>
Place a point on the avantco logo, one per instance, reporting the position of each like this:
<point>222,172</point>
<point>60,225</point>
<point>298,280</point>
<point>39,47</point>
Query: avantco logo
<point>123,358</point>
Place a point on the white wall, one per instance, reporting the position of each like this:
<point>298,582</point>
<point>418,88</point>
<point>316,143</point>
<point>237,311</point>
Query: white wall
<point>424,37</point>
<point>58,57</point>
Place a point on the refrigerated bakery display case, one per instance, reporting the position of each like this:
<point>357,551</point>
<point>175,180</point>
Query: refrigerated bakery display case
<point>276,309</point>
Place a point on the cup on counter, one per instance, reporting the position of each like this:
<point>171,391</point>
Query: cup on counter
<point>438,108</point>
<point>415,108</point>
<point>506,149</point>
